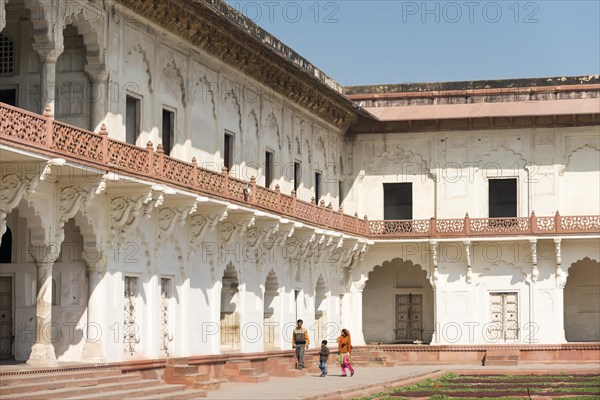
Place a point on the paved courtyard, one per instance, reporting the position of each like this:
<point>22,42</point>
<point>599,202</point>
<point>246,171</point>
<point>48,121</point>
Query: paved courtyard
<point>311,386</point>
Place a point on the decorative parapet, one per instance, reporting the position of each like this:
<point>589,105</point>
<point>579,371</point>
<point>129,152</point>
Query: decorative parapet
<point>485,227</point>
<point>44,135</point>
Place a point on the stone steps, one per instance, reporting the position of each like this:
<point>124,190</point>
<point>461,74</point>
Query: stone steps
<point>40,392</point>
<point>55,376</point>
<point>181,395</point>
<point>499,357</point>
<point>282,366</point>
<point>54,385</point>
<point>242,371</point>
<point>178,371</point>
<point>89,385</point>
<point>152,391</point>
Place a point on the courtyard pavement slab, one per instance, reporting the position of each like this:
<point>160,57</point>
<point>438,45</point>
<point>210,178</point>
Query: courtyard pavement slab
<point>366,380</point>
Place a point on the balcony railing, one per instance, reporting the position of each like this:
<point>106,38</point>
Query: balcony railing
<point>481,227</point>
<point>41,134</point>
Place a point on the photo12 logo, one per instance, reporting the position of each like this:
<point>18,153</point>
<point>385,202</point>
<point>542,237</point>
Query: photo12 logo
<point>453,12</point>
<point>260,12</point>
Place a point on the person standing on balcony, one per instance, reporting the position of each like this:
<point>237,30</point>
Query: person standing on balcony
<point>300,342</point>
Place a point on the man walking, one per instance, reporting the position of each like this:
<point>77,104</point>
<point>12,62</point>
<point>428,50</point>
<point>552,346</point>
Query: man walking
<point>300,342</point>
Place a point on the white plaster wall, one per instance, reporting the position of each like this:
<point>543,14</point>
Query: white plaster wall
<point>145,60</point>
<point>549,165</point>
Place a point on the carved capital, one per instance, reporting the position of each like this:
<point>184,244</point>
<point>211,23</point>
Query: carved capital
<point>43,255</point>
<point>48,52</point>
<point>359,285</point>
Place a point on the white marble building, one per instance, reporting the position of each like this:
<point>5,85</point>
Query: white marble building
<point>114,252</point>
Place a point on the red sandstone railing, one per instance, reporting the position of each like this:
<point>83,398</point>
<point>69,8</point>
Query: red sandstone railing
<point>43,134</point>
<point>474,227</point>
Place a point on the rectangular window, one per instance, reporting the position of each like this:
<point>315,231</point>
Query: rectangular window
<point>132,119</point>
<point>317,187</point>
<point>297,175</point>
<point>228,151</point>
<point>268,169</point>
<point>8,96</point>
<point>397,201</point>
<point>168,131</point>
<point>503,198</point>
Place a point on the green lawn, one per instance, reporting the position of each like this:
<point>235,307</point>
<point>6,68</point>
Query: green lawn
<point>506,387</point>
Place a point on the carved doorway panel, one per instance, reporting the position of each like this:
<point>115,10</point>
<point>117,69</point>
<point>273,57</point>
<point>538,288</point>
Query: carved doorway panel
<point>6,317</point>
<point>166,296</point>
<point>409,317</point>
<point>271,308</point>
<point>130,325</point>
<point>504,316</point>
<point>230,331</point>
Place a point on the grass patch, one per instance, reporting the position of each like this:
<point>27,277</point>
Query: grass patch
<point>455,387</point>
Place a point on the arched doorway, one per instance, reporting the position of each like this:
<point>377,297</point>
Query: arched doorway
<point>398,304</point>
<point>271,307</point>
<point>230,313</point>
<point>320,309</point>
<point>582,302</point>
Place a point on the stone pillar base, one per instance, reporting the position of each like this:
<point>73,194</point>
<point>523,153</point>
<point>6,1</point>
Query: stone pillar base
<point>93,352</point>
<point>42,355</point>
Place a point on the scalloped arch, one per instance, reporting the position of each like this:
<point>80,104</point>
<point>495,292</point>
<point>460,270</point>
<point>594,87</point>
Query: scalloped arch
<point>501,155</point>
<point>585,147</point>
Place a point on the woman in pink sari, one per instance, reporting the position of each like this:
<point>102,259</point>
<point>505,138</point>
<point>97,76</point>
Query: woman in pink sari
<point>345,352</point>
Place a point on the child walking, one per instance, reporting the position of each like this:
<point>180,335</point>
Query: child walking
<point>323,356</point>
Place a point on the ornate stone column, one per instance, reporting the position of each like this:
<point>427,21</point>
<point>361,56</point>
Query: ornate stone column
<point>42,351</point>
<point>357,288</point>
<point>98,95</point>
<point>561,280</point>
<point>49,53</point>
<point>3,14</point>
<point>93,349</point>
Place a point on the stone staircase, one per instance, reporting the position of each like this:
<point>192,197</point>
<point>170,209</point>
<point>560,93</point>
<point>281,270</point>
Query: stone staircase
<point>178,371</point>
<point>359,358</point>
<point>381,359</point>
<point>283,366</point>
<point>497,357</point>
<point>242,371</point>
<point>90,384</point>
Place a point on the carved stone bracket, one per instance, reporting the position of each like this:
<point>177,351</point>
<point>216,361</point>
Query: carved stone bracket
<point>287,233</point>
<point>76,198</point>
<point>19,180</point>
<point>126,213</point>
<point>307,247</point>
<point>246,224</point>
<point>561,276</point>
<point>433,244</point>
<point>534,260</point>
<point>469,276</point>
<point>169,217</point>
<point>227,231</point>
